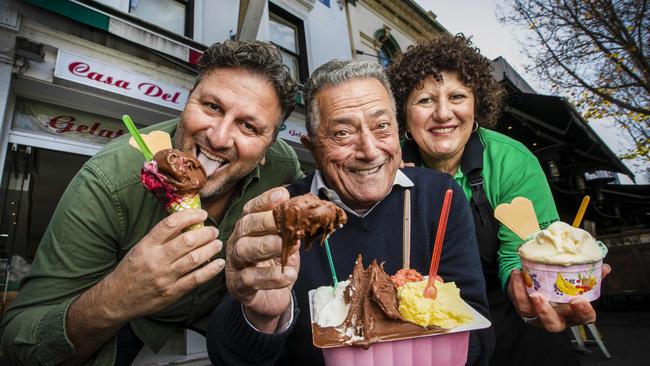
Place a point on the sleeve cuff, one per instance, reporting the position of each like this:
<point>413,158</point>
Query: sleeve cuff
<point>285,321</point>
<point>234,338</point>
<point>53,343</point>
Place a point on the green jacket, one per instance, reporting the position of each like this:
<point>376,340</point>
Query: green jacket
<point>509,170</point>
<point>103,213</point>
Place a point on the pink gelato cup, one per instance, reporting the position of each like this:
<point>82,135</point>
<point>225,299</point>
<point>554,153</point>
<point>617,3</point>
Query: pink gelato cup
<point>445,350</point>
<point>562,283</point>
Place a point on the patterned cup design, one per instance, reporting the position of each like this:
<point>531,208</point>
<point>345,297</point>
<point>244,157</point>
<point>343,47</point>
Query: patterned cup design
<point>563,283</point>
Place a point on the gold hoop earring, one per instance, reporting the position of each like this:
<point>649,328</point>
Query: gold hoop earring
<point>408,136</point>
<point>475,126</point>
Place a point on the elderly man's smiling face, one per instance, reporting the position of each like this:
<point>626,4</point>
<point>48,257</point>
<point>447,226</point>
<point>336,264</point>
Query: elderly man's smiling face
<point>356,146</point>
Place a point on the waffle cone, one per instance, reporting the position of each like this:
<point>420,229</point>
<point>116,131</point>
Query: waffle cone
<point>186,201</point>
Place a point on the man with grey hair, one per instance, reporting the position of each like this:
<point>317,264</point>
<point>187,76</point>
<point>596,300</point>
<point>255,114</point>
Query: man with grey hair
<point>352,133</point>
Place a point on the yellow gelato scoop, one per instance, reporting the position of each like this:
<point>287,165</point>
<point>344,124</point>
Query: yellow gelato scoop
<point>447,310</point>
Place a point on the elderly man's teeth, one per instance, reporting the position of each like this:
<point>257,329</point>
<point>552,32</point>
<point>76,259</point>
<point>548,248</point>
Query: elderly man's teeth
<point>210,162</point>
<point>365,171</point>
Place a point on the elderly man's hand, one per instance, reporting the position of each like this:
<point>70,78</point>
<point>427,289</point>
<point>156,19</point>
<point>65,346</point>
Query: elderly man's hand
<point>536,309</point>
<point>253,271</point>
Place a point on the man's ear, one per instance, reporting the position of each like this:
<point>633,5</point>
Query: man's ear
<point>263,161</point>
<point>307,142</point>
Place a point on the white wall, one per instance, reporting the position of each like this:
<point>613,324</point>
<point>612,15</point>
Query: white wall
<point>367,21</point>
<point>213,20</point>
<point>326,34</point>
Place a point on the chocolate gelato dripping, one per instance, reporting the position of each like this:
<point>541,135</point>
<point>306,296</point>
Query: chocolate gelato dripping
<point>306,217</point>
<point>373,314</point>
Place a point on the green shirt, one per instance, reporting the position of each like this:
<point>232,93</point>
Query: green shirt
<point>511,170</point>
<point>103,213</point>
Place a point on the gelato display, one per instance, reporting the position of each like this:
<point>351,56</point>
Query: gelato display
<point>369,308</point>
<point>563,262</point>
<point>306,217</point>
<point>175,178</point>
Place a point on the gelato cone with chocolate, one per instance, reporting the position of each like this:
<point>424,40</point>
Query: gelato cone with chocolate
<point>175,178</point>
<point>306,217</point>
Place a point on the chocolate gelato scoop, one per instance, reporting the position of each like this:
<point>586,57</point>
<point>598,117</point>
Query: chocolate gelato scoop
<point>174,176</point>
<point>180,170</point>
<point>373,314</point>
<point>306,217</point>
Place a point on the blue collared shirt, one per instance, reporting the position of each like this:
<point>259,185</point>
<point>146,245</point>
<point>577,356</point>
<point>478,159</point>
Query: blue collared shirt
<point>318,185</point>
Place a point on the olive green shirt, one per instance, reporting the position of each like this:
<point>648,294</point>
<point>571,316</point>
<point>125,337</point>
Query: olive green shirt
<point>103,213</point>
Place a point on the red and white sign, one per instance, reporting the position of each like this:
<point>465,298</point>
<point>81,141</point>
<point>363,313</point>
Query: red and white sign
<point>292,130</point>
<point>86,71</point>
<point>65,123</point>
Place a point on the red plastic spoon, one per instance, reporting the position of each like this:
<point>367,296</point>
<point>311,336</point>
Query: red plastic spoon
<point>430,290</point>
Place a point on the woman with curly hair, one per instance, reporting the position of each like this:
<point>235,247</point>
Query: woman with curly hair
<point>447,100</point>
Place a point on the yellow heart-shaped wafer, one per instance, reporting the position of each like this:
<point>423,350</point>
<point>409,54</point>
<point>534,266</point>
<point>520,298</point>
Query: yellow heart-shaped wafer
<point>518,216</point>
<point>155,140</point>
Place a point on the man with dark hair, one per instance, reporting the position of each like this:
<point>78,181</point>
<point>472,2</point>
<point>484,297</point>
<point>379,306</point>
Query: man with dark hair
<point>113,271</point>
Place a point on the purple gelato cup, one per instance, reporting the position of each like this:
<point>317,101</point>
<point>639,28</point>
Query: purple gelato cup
<point>562,283</point>
<point>444,349</point>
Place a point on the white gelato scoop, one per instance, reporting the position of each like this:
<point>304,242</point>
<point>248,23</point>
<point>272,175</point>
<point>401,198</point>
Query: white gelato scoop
<point>329,306</point>
<point>562,244</point>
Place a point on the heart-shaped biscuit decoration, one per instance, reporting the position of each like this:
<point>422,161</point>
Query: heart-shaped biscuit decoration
<point>155,140</point>
<point>518,216</point>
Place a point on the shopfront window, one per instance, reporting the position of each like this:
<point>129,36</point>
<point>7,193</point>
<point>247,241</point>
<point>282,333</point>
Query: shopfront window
<point>172,15</point>
<point>287,32</point>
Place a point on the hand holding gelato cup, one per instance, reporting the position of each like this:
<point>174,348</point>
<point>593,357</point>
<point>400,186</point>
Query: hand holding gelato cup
<point>563,262</point>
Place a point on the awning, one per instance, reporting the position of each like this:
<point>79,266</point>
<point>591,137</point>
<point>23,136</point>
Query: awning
<point>551,128</point>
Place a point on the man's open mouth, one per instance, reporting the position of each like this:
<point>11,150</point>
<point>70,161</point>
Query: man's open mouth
<point>211,163</point>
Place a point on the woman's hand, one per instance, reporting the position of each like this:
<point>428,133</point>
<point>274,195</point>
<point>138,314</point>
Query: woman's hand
<point>537,310</point>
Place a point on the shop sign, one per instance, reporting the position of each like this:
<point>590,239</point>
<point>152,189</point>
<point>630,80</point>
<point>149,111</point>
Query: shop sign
<point>86,71</point>
<point>292,131</point>
<point>65,123</point>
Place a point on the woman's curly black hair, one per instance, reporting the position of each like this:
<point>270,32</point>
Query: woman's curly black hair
<point>452,54</point>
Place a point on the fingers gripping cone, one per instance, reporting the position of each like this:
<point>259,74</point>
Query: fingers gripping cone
<point>184,202</point>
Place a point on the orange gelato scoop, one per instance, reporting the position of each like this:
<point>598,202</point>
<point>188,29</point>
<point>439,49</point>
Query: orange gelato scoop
<point>405,275</point>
